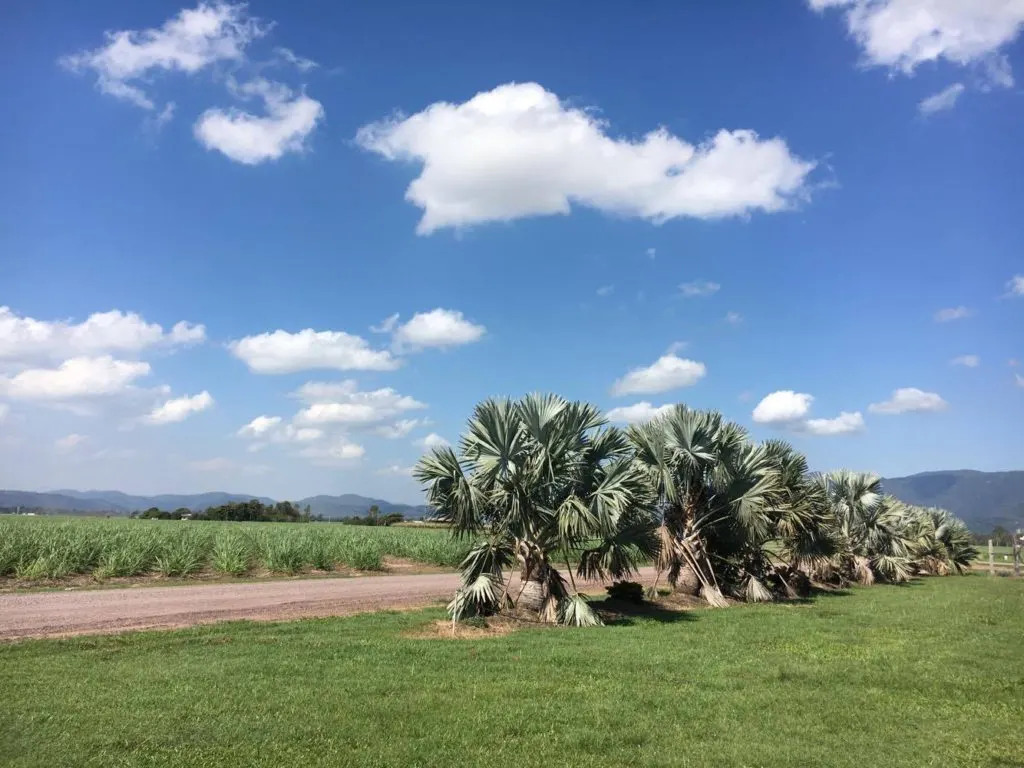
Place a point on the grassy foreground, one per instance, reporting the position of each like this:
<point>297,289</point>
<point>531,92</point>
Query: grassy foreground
<point>919,675</point>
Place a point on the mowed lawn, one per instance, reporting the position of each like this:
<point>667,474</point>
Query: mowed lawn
<point>926,674</point>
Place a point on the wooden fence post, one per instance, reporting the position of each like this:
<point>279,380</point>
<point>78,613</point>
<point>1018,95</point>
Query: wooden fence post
<point>1016,553</point>
<point>991,559</point>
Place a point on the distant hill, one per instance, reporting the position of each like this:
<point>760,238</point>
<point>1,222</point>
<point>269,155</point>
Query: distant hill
<point>118,503</point>
<point>983,500</point>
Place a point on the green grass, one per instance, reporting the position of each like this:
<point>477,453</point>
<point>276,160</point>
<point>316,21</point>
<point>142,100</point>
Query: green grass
<point>922,675</point>
<point>35,549</point>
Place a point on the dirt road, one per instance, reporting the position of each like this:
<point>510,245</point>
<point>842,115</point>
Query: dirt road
<point>49,614</point>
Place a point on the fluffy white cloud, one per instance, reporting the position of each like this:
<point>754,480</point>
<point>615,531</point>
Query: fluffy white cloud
<point>519,151</point>
<point>952,313</point>
<point>941,101</point>
<point>25,338</point>
<point>179,408</point>
<point>398,429</point>
<point>667,372</point>
<point>252,139</point>
<point>269,429</point>
<point>284,352</point>
<point>433,440</point>
<point>969,361</point>
<point>910,400</point>
<point>782,407</point>
<point>77,377</point>
<point>699,288</point>
<point>259,426</point>
<point>638,412</point>
<point>843,424</point>
<point>903,34</point>
<point>191,41</point>
<point>343,403</point>
<point>340,451</point>
<point>1016,285</point>
<point>68,443</point>
<point>437,328</point>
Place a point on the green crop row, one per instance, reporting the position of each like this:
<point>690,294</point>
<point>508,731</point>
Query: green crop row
<point>33,549</point>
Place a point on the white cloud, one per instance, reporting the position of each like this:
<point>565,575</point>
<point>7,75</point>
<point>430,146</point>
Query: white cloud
<point>1016,285</point>
<point>699,288</point>
<point>437,328</point>
<point>395,469</point>
<point>667,372</point>
<point>969,361</point>
<point>782,407</point>
<point>910,400</point>
<point>941,101</point>
<point>344,403</point>
<point>179,409</point>
<point>253,139</point>
<point>903,34</point>
<point>25,338</point>
<point>433,440</point>
<point>340,451</point>
<point>387,325</point>
<point>68,443</point>
<point>843,424</point>
<point>733,318</point>
<point>191,41</point>
<point>300,63</point>
<point>77,377</point>
<point>518,151</point>
<point>952,313</point>
<point>638,412</point>
<point>398,429</point>
<point>605,290</point>
<point>676,346</point>
<point>284,352</point>
<point>259,426</point>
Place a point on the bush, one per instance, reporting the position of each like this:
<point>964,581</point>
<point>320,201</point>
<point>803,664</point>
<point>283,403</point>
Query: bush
<point>626,591</point>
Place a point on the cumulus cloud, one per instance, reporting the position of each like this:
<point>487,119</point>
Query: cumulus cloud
<point>667,372</point>
<point>191,41</point>
<point>518,151</point>
<point>259,426</point>
<point>340,451</point>
<point>68,443</point>
<point>941,101</point>
<point>74,378</point>
<point>26,338</point>
<point>782,407</point>
<point>270,429</point>
<point>910,400</point>
<point>179,409</point>
<point>284,352</point>
<point>433,440</point>
<point>698,288</point>
<point>343,403</point>
<point>253,139</point>
<point>789,410</point>
<point>638,412</point>
<point>439,328</point>
<point>952,313</point>
<point>968,361</point>
<point>1016,285</point>
<point>903,34</point>
<point>843,424</point>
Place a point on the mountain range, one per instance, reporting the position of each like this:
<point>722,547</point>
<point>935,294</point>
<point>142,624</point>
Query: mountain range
<point>981,499</point>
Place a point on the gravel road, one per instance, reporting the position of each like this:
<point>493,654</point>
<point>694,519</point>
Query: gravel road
<point>77,612</point>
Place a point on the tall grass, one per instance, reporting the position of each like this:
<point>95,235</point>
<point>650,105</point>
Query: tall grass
<point>34,549</point>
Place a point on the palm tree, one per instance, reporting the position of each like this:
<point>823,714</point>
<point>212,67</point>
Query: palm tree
<point>715,495</point>
<point>941,543</point>
<point>540,482</point>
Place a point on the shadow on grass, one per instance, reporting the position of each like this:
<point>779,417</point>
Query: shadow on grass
<point>620,613</point>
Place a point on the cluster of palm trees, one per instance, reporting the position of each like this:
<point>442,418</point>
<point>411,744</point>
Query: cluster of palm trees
<point>544,485</point>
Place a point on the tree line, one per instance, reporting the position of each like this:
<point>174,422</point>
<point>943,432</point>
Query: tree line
<point>255,511</point>
<point>545,484</point>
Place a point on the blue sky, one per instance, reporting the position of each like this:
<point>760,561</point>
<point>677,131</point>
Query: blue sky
<point>759,208</point>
